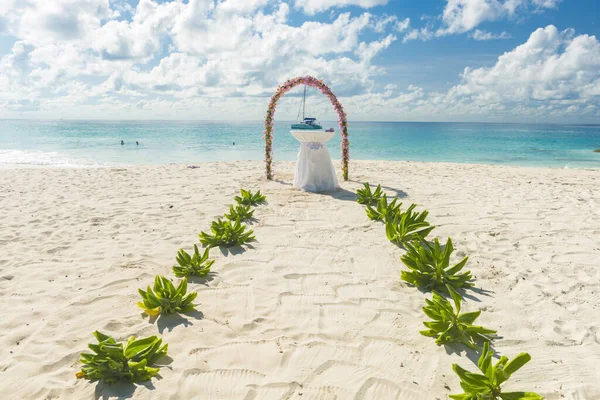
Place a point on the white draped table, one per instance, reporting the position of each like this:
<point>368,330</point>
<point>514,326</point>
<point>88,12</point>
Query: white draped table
<point>314,170</point>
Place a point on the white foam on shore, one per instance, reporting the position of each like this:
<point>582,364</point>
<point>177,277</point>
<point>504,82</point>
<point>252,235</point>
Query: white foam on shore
<point>21,158</point>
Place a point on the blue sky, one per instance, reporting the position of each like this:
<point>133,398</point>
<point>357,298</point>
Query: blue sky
<point>406,60</point>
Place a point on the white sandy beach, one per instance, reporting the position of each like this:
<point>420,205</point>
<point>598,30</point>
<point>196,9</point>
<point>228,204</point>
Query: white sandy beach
<point>315,308</point>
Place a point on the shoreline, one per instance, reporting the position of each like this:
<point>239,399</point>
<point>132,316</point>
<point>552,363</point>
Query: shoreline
<point>316,305</point>
<point>261,121</point>
<point>336,163</point>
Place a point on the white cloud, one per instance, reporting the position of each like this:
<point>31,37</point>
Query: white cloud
<point>546,3</point>
<point>42,21</point>
<point>311,7</point>
<point>552,75</point>
<point>551,65</point>
<point>403,25</point>
<point>483,35</point>
<point>14,69</point>
<point>262,49</point>
<point>460,16</point>
<point>423,34</point>
<point>139,38</point>
<point>382,23</point>
<point>367,51</point>
<point>241,6</point>
<point>216,50</point>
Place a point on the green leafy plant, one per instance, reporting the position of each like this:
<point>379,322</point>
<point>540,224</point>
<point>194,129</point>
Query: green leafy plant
<point>449,325</point>
<point>194,265</point>
<point>166,298</point>
<point>430,266</point>
<point>241,212</point>
<point>487,386</point>
<point>226,233</point>
<point>383,211</point>
<point>113,362</point>
<point>366,197</point>
<point>248,198</point>
<point>408,226</point>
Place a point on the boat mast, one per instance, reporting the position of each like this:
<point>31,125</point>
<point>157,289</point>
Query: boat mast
<point>303,102</point>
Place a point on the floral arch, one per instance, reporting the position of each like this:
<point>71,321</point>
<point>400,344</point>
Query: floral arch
<point>343,124</point>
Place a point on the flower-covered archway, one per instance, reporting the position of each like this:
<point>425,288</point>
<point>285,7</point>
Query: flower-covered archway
<point>286,87</point>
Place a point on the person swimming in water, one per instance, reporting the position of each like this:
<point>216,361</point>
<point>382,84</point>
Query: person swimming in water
<point>122,143</point>
<point>137,143</point>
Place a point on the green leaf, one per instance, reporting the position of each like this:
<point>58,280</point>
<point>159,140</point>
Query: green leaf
<point>111,363</point>
<point>448,326</point>
<point>102,337</point>
<point>166,299</point>
<point>240,212</point>
<point>198,265</point>
<point>457,267</point>
<point>135,347</point>
<point>186,302</point>
<point>383,210</point>
<point>469,318</point>
<point>429,265</point>
<point>479,329</point>
<point>521,396</point>
<point>495,375</point>
<point>455,297</point>
<point>248,198</point>
<point>182,288</point>
<point>485,354</point>
<point>485,361</point>
<point>152,298</point>
<point>367,197</point>
<point>168,286</point>
<point>513,366</point>
<point>432,313</point>
<point>226,233</point>
<point>473,380</point>
<point>437,326</point>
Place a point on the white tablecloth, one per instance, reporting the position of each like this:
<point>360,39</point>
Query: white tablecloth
<point>314,170</point>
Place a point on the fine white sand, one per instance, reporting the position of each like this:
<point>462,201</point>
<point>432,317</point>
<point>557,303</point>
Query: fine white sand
<point>315,308</point>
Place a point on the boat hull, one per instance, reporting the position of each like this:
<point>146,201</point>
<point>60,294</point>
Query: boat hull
<point>312,127</point>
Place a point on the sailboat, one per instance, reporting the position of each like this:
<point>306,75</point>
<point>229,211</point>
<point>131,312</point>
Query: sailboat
<point>307,123</point>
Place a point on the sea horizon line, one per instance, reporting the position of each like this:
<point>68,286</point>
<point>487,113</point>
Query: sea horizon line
<point>237,122</point>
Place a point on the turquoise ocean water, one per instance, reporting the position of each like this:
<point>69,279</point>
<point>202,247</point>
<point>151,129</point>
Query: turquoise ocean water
<point>91,143</point>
